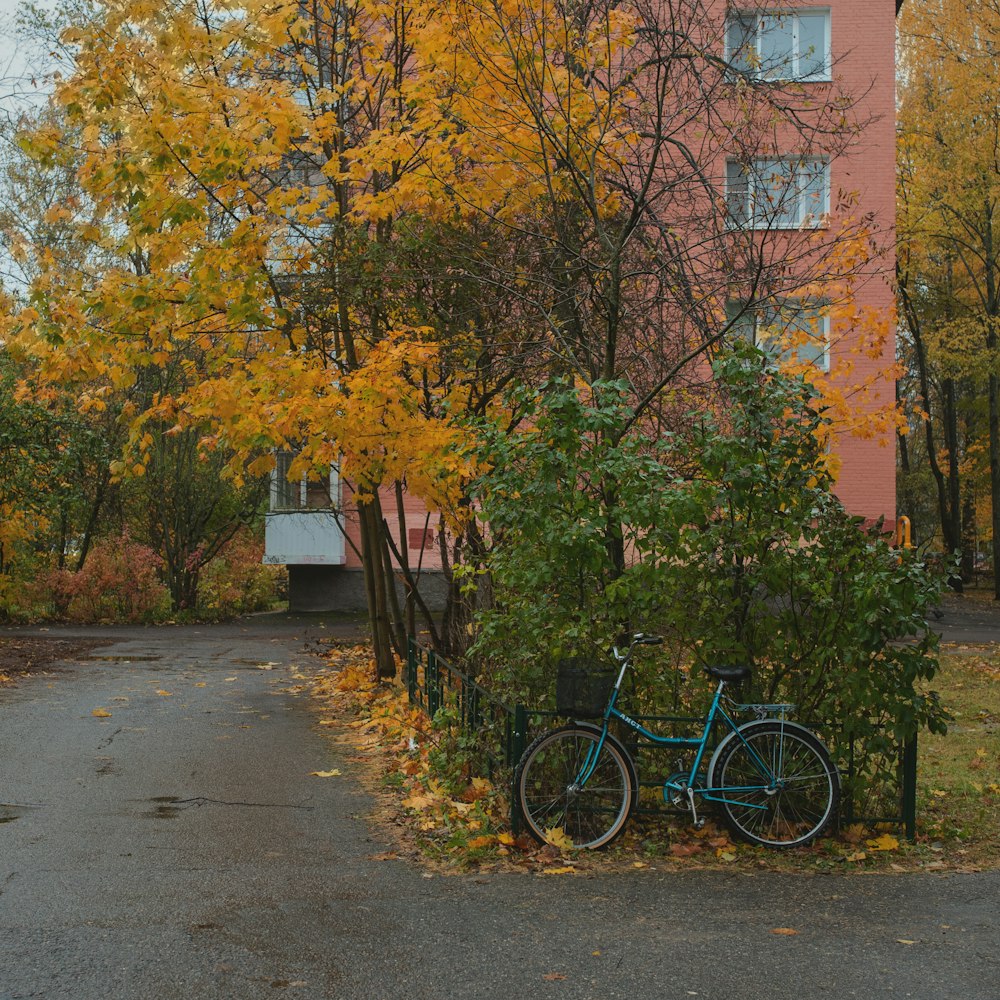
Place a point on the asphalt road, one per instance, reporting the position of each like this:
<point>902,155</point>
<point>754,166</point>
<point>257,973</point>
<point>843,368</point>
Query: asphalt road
<point>179,848</point>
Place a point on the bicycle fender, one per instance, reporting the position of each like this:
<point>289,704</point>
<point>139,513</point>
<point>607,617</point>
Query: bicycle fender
<point>710,773</point>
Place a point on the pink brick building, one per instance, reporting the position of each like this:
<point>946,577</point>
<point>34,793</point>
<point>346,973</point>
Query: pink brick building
<point>851,42</point>
<point>863,42</point>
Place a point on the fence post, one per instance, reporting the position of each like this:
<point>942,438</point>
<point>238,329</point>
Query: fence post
<point>411,669</point>
<point>517,743</point>
<point>433,680</point>
<point>847,808</point>
<point>910,787</point>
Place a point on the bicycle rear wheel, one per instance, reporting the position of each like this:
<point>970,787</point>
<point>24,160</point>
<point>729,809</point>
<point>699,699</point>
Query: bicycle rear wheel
<point>553,799</point>
<point>788,811</point>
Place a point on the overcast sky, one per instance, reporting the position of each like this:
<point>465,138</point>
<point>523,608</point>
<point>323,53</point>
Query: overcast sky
<point>13,56</point>
<point>8,45</point>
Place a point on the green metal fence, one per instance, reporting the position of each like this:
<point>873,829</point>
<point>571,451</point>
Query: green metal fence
<point>504,731</point>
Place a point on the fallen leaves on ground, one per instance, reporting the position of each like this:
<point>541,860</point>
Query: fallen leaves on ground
<point>101,713</point>
<point>462,817</point>
<point>557,837</point>
<point>784,931</point>
<point>887,842</point>
<point>325,774</point>
<point>459,820</point>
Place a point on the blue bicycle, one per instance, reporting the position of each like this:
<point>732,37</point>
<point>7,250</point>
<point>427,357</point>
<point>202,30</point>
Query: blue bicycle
<point>773,780</point>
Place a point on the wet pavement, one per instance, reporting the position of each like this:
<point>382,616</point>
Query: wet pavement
<point>177,847</point>
<point>973,621</point>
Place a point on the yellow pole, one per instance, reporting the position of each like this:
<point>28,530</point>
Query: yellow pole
<point>903,532</point>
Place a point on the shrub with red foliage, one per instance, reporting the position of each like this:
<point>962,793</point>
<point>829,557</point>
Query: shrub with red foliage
<point>120,581</point>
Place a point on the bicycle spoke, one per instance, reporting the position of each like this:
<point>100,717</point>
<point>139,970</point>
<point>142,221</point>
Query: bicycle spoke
<point>556,792</point>
<point>797,805</point>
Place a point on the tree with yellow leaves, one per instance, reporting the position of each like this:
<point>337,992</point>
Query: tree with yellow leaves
<point>344,225</point>
<point>949,270</point>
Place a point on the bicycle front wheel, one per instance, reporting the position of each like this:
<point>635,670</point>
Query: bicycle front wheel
<point>776,783</point>
<point>570,783</point>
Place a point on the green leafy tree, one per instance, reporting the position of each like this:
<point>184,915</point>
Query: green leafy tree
<point>735,547</point>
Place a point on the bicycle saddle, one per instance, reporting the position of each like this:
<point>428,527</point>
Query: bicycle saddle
<point>728,674</point>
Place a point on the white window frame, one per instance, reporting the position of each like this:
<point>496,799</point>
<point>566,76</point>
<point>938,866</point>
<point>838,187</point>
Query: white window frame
<point>760,18</point>
<point>293,495</point>
<point>758,316</point>
<point>760,210</point>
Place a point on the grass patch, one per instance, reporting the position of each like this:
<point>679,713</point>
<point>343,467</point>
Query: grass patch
<point>958,806</point>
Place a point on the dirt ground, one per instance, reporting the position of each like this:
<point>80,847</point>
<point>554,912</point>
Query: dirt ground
<point>23,655</point>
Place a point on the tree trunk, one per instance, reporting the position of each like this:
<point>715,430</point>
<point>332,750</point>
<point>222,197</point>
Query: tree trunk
<point>992,302</point>
<point>951,541</point>
<point>954,506</point>
<point>375,588</point>
<point>906,499</point>
<point>994,430</point>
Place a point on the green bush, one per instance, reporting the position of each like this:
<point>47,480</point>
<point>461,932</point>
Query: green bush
<point>728,539</point>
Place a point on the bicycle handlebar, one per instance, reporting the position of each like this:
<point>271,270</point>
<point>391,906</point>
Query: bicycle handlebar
<point>641,639</point>
<point>636,639</point>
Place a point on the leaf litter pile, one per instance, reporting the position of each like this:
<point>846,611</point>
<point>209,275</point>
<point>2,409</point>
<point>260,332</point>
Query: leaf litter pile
<point>451,820</point>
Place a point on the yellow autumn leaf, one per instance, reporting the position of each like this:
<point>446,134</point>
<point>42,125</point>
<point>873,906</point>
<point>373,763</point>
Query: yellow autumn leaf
<point>887,842</point>
<point>325,774</point>
<point>557,837</point>
<point>857,856</point>
<point>419,801</point>
<point>101,713</point>
<point>560,870</point>
<point>784,931</point>
<point>484,841</point>
<point>506,838</point>
<point>164,694</point>
<point>201,684</point>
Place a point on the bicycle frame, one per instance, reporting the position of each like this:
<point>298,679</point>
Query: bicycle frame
<point>770,782</point>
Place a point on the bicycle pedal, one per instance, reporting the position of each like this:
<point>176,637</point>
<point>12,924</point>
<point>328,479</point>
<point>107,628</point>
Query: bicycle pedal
<point>699,824</point>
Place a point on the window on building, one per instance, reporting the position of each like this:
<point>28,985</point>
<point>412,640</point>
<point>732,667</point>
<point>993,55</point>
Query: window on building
<point>287,493</point>
<point>791,330</point>
<point>780,45</point>
<point>312,493</point>
<point>780,193</point>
